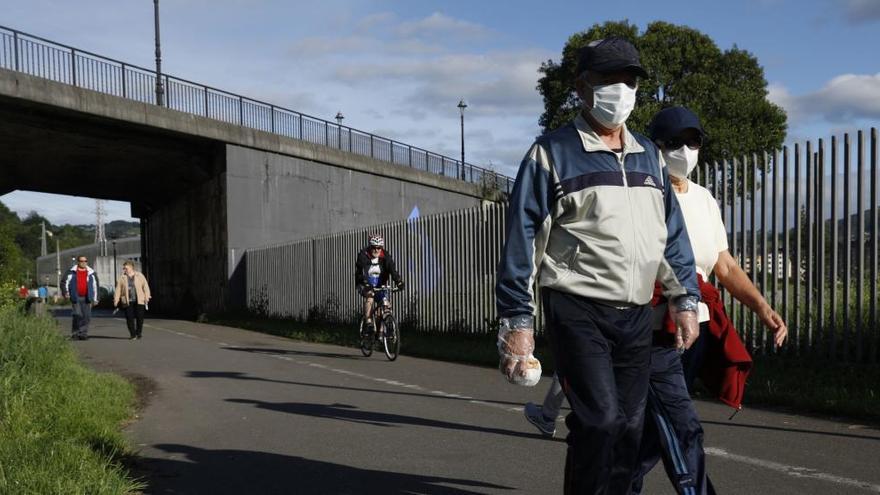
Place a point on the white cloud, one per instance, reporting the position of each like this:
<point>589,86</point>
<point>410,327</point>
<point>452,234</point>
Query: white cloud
<point>844,99</point>
<point>438,24</point>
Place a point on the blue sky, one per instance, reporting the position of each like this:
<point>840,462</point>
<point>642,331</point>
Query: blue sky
<point>398,68</point>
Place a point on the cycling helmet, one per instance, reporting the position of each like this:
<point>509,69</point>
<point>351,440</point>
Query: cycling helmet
<point>377,241</point>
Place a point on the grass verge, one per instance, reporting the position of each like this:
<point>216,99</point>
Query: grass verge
<point>59,421</point>
<point>800,386</point>
<point>816,387</point>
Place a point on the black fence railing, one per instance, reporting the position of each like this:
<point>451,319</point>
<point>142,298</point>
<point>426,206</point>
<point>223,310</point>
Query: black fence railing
<point>44,58</point>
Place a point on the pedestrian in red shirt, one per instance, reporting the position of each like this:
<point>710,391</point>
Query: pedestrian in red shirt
<point>81,288</point>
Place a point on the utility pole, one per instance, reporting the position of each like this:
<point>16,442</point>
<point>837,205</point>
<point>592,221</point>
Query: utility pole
<point>43,241</point>
<point>100,235</point>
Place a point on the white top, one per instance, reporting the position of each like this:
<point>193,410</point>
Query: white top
<point>704,225</point>
<point>702,216</point>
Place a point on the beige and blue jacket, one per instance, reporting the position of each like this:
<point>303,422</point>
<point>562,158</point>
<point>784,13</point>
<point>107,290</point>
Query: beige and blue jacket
<point>585,220</point>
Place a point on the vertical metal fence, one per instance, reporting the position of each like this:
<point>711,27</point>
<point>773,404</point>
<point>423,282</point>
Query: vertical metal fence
<point>447,261</point>
<point>806,234</point>
<point>40,57</point>
<point>803,224</point>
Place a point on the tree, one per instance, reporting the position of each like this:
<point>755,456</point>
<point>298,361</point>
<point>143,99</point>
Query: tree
<point>726,89</point>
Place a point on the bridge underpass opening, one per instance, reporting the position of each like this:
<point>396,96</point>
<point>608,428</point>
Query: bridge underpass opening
<point>172,181</point>
<point>66,227</point>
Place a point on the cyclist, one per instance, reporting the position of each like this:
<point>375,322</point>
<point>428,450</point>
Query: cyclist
<point>373,267</point>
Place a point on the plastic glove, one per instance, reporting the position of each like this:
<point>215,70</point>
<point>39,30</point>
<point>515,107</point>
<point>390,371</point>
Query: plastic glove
<point>517,361</point>
<point>687,327</point>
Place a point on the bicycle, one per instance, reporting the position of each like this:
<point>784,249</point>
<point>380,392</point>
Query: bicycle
<point>385,328</point>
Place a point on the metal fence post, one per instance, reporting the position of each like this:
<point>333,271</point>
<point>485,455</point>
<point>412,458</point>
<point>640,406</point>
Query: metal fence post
<point>15,49</point>
<point>73,65</point>
<point>847,242</point>
<point>834,251</point>
<point>124,90</point>
<point>860,254</point>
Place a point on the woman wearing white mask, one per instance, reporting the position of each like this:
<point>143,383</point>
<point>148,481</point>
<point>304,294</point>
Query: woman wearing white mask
<point>672,430</point>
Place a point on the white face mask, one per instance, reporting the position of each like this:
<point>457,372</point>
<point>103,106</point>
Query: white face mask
<point>682,161</point>
<point>612,104</point>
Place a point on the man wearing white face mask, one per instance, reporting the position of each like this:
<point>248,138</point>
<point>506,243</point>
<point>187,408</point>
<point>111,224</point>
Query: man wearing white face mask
<point>672,428</point>
<point>593,222</point>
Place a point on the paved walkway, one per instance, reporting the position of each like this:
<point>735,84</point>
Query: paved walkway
<point>238,412</point>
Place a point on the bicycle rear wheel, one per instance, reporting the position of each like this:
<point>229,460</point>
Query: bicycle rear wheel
<point>366,341</point>
<point>392,338</point>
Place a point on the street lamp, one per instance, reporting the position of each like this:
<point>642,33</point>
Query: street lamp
<point>57,262</point>
<point>461,106</point>
<point>160,90</point>
<point>339,118</point>
<point>115,276</point>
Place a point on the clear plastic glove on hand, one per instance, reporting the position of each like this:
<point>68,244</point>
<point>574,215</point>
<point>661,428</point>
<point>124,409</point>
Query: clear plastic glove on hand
<point>517,361</point>
<point>687,327</point>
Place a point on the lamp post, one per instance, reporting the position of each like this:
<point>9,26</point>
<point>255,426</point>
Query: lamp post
<point>115,276</point>
<point>461,106</point>
<point>57,261</point>
<point>339,118</point>
<point>160,90</point>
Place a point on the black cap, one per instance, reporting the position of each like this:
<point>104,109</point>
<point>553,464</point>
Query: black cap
<point>610,55</point>
<point>670,122</point>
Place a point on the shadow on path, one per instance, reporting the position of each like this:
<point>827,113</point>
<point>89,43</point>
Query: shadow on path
<point>194,470</point>
<point>291,352</point>
<point>346,412</point>
<point>235,375</point>
<point>794,430</point>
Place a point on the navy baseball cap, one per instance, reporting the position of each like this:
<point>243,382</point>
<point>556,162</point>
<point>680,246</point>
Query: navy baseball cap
<point>670,122</point>
<point>610,55</point>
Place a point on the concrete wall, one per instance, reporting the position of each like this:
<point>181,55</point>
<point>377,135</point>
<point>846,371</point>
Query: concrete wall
<point>273,198</point>
<point>185,251</point>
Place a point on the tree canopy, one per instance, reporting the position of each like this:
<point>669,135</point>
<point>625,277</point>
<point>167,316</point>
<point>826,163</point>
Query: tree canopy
<point>726,89</point>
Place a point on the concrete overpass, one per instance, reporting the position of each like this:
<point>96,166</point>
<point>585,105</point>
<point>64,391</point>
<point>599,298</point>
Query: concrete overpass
<point>204,189</point>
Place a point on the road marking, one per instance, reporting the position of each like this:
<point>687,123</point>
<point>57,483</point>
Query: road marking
<point>794,471</point>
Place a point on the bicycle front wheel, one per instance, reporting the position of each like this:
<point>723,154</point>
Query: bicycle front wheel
<point>366,341</point>
<point>392,338</point>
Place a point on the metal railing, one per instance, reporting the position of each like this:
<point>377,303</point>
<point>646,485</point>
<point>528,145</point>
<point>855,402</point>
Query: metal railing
<point>44,58</point>
<point>784,221</point>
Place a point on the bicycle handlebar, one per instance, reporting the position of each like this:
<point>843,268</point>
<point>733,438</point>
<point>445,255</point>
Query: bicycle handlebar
<point>389,288</point>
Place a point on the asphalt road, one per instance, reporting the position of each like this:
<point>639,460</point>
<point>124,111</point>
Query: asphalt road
<point>238,412</point>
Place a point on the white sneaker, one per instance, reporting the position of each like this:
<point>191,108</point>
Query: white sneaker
<point>535,416</point>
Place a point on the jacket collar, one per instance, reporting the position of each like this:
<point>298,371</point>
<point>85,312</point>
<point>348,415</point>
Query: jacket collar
<point>592,142</point>
<point>89,270</point>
